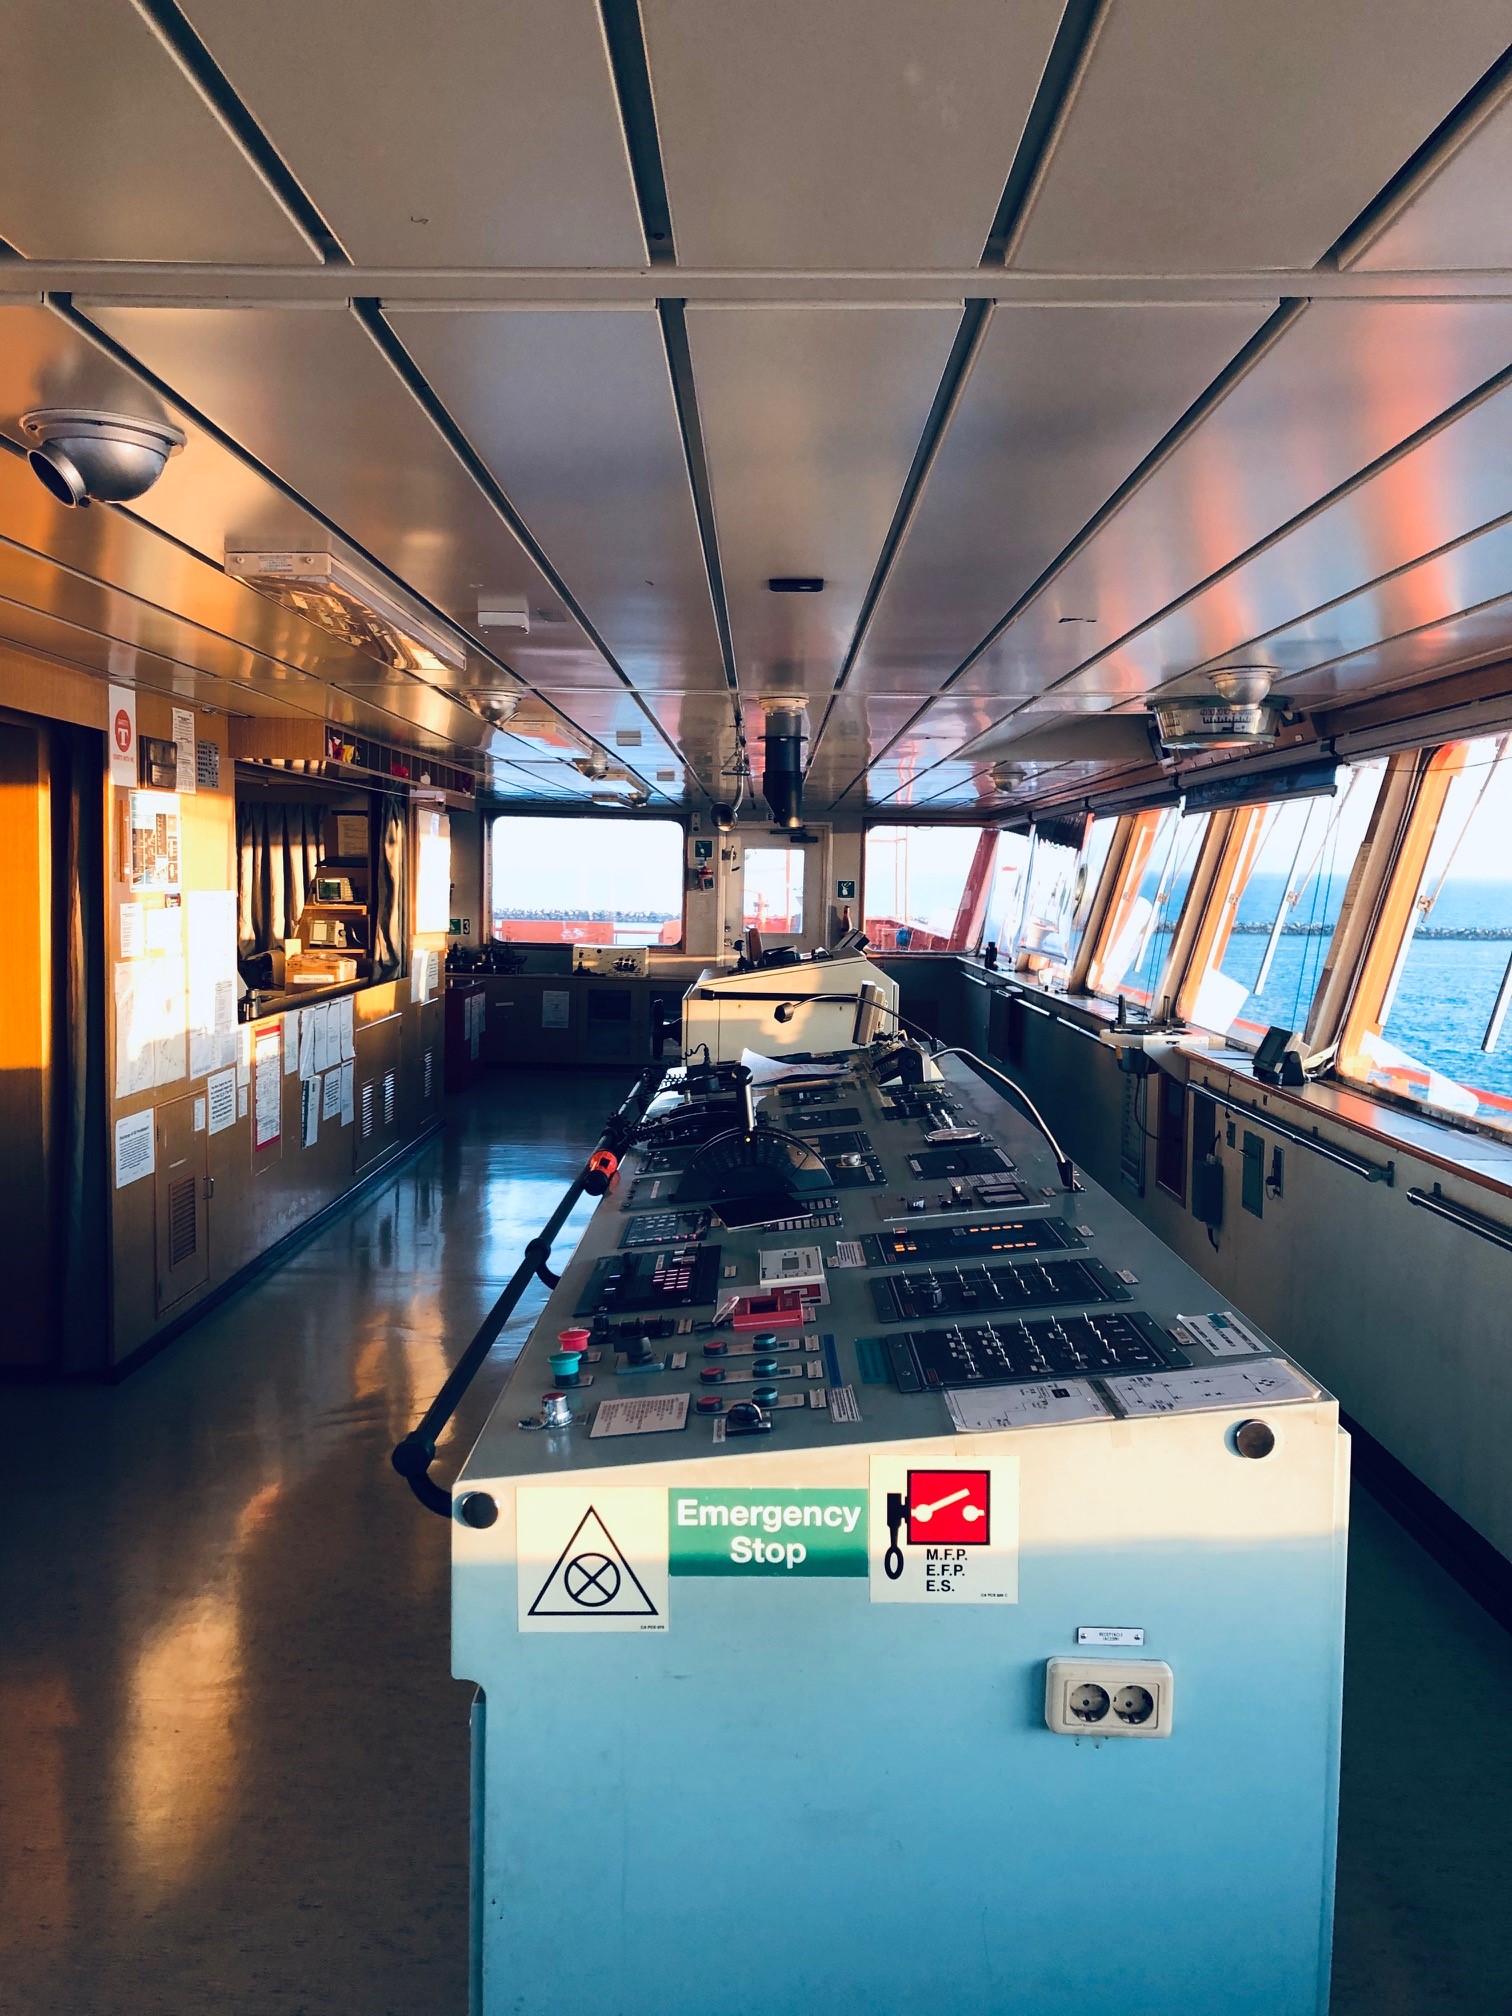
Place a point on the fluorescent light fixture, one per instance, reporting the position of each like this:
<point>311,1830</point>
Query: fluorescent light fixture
<point>342,598</point>
<point>503,612</point>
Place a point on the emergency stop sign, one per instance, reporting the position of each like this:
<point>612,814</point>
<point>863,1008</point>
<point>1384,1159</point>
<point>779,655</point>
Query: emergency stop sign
<point>949,1508</point>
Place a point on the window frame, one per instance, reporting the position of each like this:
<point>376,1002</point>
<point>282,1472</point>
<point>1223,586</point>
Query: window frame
<point>1129,868</point>
<point>579,816</point>
<point>1389,935</point>
<point>971,907</point>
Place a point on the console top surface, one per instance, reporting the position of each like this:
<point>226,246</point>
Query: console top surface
<point>897,1288</point>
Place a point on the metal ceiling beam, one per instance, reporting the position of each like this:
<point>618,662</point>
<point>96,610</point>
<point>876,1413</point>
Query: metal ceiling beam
<point>182,285</point>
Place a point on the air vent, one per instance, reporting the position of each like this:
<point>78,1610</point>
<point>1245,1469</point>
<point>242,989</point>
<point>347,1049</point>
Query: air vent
<point>427,1076</point>
<point>183,1222</point>
<point>796,584</point>
<point>627,738</point>
<point>388,1098</point>
<point>369,1107</point>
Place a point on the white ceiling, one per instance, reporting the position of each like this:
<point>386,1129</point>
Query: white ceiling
<point>1076,351</point>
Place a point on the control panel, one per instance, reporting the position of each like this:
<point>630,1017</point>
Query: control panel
<point>814,1242</point>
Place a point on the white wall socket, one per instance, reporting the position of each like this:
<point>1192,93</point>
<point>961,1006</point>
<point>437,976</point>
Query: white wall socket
<point>1109,1697</point>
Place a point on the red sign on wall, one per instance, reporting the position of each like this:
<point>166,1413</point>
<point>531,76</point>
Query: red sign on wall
<point>949,1508</point>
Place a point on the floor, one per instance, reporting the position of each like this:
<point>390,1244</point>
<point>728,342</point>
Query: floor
<point>233,1769</point>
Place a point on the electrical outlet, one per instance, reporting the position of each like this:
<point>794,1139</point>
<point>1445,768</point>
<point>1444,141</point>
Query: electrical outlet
<point>1109,1697</point>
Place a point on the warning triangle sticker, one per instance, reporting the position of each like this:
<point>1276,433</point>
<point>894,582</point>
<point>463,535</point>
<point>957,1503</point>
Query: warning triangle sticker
<point>592,1578</point>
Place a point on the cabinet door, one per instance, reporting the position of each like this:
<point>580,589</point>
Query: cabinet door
<point>183,1258</point>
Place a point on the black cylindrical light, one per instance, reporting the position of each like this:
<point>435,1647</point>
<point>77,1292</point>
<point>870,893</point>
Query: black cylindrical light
<point>782,775</point>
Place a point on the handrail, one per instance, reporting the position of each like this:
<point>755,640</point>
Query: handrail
<point>413,1456</point>
<point>1358,1165</point>
<point>1441,1206</point>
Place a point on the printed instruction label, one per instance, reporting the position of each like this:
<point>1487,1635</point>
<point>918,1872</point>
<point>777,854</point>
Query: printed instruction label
<point>1035,1405</point>
<point>656,1415</point>
<point>944,1532</point>
<point>591,1561</point>
<point>1215,1386</point>
<point>1109,1634</point>
<point>1224,1334</point>
<point>786,1533</point>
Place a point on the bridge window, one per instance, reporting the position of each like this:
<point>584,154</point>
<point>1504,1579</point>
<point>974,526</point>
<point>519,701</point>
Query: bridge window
<point>1156,872</point>
<point>1043,888</point>
<point>1430,1020</point>
<point>586,881</point>
<point>1287,868</point>
<point>774,890</point>
<point>925,887</point>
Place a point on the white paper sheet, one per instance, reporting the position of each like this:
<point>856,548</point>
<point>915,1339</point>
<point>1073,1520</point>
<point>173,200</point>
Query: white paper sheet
<point>291,1042</point>
<point>133,1148</point>
<point>267,1078</point>
<point>184,740</point>
<point>346,1016</point>
<point>307,1043</point>
<point>1202,1389</point>
<point>1037,1405</point>
<point>201,1108</point>
<point>133,1029</point>
<point>210,955</point>
<point>220,1090</point>
<point>310,1093</point>
<point>348,1093</point>
<point>556,1008</point>
<point>243,1101</point>
<point>330,1096</point>
<point>133,931</point>
<point>165,931</point>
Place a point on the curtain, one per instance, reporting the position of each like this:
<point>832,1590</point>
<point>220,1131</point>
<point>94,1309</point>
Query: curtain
<point>389,929</point>
<point>279,850</point>
<point>76,769</point>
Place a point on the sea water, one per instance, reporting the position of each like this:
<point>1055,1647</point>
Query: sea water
<point>1447,988</point>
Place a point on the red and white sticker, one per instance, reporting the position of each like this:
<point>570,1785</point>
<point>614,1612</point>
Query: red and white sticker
<point>944,1532</point>
<point>121,703</point>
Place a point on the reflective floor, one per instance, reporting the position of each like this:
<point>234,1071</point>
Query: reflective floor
<point>233,1768</point>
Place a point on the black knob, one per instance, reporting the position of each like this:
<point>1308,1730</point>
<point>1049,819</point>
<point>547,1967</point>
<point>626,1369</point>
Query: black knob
<point>746,1418</point>
<point>477,1509</point>
<point>1254,1439</point>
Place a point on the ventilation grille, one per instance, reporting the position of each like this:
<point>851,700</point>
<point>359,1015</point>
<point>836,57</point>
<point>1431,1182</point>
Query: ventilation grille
<point>388,1098</point>
<point>183,1224</point>
<point>369,1107</point>
<point>427,1092</point>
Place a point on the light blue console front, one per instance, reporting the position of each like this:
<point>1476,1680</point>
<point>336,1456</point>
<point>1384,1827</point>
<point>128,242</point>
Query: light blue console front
<point>777,1795</point>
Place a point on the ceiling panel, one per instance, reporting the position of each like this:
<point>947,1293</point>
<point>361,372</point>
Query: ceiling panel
<point>1061,406</point>
<point>1461,218</point>
<point>1470,636</point>
<point>573,414</point>
<point>309,394</point>
<point>1453,484</point>
<point>860,133</point>
<point>471,134</point>
<point>1215,138</point>
<point>107,151</point>
<point>1461,578</point>
<point>1342,386</point>
<point>811,417</point>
